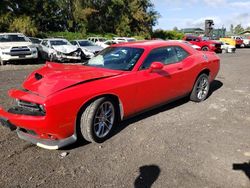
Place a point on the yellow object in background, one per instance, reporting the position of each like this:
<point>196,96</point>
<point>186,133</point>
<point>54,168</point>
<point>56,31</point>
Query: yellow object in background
<point>229,41</point>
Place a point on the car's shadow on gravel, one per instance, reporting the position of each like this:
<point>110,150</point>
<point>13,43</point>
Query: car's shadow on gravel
<point>215,85</point>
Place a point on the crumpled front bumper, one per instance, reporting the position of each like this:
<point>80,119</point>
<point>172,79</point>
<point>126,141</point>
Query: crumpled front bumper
<point>75,55</point>
<point>30,128</point>
<point>8,57</point>
<point>12,122</point>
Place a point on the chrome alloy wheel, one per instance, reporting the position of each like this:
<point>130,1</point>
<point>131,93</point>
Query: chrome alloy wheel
<point>202,88</point>
<point>104,119</point>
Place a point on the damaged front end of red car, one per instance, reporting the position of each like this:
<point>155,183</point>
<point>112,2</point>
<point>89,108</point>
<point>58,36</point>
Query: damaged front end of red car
<point>28,118</point>
<point>45,110</point>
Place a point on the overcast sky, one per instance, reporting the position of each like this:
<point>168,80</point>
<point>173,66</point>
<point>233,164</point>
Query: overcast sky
<point>192,13</point>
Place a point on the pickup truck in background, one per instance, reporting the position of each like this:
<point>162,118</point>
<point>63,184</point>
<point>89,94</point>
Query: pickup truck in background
<point>246,42</point>
<point>16,46</point>
<point>205,45</point>
<point>239,41</point>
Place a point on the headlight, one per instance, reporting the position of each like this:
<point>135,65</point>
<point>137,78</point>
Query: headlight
<point>59,53</point>
<point>34,107</point>
<point>211,44</point>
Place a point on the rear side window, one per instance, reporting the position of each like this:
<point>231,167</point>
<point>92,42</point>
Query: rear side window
<point>165,55</point>
<point>181,53</point>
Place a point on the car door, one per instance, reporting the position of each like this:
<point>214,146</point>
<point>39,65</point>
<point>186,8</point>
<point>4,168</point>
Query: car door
<point>196,41</point>
<point>160,86</point>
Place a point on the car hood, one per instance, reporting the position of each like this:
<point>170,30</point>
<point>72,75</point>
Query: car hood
<point>65,48</point>
<point>93,48</point>
<point>54,77</point>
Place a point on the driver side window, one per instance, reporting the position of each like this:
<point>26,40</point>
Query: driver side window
<point>165,55</point>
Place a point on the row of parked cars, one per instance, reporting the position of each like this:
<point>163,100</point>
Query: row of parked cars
<point>237,41</point>
<point>223,45</point>
<point>59,49</point>
<point>16,46</point>
<point>205,44</point>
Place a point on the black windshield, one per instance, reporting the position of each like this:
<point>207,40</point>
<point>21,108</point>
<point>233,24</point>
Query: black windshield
<point>85,43</point>
<point>59,42</point>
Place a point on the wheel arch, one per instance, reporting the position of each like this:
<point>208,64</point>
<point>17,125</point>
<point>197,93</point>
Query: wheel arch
<point>204,71</point>
<point>115,98</point>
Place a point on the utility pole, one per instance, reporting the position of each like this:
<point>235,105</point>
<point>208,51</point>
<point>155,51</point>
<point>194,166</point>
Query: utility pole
<point>209,28</point>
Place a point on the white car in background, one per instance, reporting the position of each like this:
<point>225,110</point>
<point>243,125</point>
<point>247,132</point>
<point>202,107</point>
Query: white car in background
<point>227,48</point>
<point>108,43</point>
<point>16,46</point>
<point>97,40</point>
<point>88,47</point>
<point>246,42</point>
<point>58,49</point>
<point>124,39</point>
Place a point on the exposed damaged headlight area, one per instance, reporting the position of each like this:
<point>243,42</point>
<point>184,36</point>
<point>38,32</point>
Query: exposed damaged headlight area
<point>76,53</point>
<point>27,108</point>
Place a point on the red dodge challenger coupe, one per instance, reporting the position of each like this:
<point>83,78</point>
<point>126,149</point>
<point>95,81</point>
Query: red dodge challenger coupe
<point>60,103</point>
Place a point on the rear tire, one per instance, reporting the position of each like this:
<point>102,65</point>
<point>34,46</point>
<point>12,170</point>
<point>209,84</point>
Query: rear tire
<point>98,119</point>
<point>200,89</point>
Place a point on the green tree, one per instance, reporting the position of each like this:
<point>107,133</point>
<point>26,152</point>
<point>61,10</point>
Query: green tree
<point>232,29</point>
<point>175,28</point>
<point>171,35</point>
<point>238,29</point>
<point>122,28</point>
<point>25,25</point>
<point>122,17</point>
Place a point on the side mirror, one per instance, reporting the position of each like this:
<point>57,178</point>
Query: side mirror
<point>156,66</point>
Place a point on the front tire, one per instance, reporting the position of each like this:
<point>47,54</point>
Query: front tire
<point>205,48</point>
<point>200,89</point>
<point>98,119</point>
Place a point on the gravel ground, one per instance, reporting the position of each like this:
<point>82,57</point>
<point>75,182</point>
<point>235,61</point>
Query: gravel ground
<point>182,144</point>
